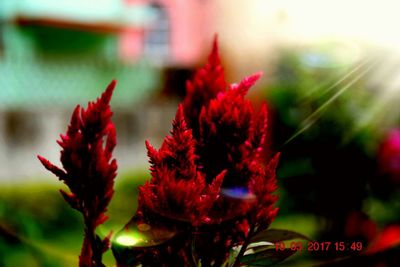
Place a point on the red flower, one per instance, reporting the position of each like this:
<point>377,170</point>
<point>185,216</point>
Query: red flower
<point>389,237</point>
<point>220,137</point>
<point>389,155</point>
<point>225,126</point>
<point>177,189</point>
<point>205,85</point>
<point>263,184</point>
<point>360,226</point>
<point>88,169</point>
<point>209,172</point>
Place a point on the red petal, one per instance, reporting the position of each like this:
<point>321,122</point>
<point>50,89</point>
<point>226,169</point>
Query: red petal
<point>54,169</point>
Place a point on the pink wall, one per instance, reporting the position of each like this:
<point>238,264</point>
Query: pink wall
<point>131,39</point>
<point>191,24</point>
<point>130,45</point>
<point>190,29</point>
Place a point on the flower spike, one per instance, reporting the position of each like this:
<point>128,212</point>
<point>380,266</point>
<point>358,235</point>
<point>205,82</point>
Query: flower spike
<point>209,172</point>
<point>89,169</point>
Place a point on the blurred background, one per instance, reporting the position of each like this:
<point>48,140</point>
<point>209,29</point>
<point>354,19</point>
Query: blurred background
<point>331,81</point>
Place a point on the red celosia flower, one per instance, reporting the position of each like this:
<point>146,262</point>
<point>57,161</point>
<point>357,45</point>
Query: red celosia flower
<point>205,85</point>
<point>89,170</point>
<point>263,184</point>
<point>177,189</point>
<point>223,133</point>
<point>389,155</point>
<point>209,171</point>
<point>225,126</point>
<point>360,226</point>
<point>389,237</point>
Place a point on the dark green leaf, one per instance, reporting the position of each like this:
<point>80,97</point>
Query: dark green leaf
<point>267,257</point>
<point>275,235</point>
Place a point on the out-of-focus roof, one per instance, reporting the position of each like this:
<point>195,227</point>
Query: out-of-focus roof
<point>112,13</point>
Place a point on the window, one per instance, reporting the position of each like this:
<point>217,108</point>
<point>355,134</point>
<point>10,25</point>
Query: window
<point>157,38</point>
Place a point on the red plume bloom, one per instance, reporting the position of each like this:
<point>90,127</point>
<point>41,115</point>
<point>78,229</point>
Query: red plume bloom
<point>209,171</point>
<point>232,138</point>
<point>389,237</point>
<point>88,169</point>
<point>177,189</point>
<point>205,85</point>
<point>389,156</point>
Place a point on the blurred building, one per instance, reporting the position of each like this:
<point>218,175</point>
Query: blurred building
<point>56,54</point>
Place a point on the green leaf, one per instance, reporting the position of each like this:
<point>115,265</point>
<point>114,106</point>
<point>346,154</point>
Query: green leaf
<point>257,249</point>
<point>275,235</point>
<point>232,255</point>
<point>266,257</point>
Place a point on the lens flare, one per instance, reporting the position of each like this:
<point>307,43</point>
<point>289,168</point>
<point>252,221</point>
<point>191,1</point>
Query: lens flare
<point>238,193</point>
<point>314,116</point>
<point>127,240</point>
<point>139,234</point>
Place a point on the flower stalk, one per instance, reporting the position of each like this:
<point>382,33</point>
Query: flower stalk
<point>89,171</point>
